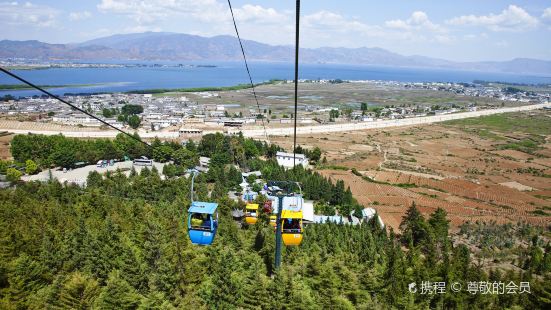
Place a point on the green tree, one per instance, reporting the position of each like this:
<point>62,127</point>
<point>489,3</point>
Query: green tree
<point>256,187</point>
<point>413,226</point>
<point>13,175</point>
<point>27,278</point>
<point>134,121</point>
<point>315,154</point>
<point>107,113</point>
<point>170,170</point>
<point>79,292</point>
<point>30,167</point>
<point>223,279</point>
<point>251,179</point>
<point>131,109</point>
<point>440,224</point>
<point>117,294</point>
<point>191,146</point>
<point>347,112</point>
<point>234,177</point>
<point>186,158</point>
<point>94,179</point>
<point>338,193</point>
<point>546,264</point>
<point>250,149</point>
<point>162,153</point>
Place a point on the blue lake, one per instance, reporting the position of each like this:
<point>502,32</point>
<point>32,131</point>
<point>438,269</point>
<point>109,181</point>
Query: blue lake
<point>233,73</point>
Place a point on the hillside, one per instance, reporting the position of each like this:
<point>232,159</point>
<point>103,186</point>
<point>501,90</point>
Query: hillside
<point>121,243</point>
<point>183,47</point>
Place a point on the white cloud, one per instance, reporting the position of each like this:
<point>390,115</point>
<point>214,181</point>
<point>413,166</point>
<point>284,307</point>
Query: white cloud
<point>332,22</point>
<point>139,28</point>
<point>259,14</point>
<point>152,11</point>
<point>207,18</point>
<point>546,13</point>
<point>513,18</point>
<point>331,29</point>
<point>502,43</point>
<point>444,39</point>
<point>417,21</point>
<point>27,14</point>
<point>77,16</point>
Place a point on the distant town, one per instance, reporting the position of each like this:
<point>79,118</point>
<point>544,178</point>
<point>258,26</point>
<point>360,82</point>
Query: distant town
<point>192,113</point>
<point>27,64</point>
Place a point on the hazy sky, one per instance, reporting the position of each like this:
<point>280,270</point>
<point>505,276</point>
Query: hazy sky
<point>455,30</point>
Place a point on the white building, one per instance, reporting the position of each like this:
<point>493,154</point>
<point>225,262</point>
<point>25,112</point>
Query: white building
<point>308,211</point>
<point>367,119</point>
<point>286,160</point>
<point>204,162</point>
<point>189,131</point>
<point>369,213</point>
<point>76,119</point>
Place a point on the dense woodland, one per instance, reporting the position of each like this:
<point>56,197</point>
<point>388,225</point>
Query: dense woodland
<point>121,243</point>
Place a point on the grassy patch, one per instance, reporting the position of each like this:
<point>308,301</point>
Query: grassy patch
<point>500,127</point>
<point>25,87</point>
<point>506,123</point>
<point>528,145</point>
<point>534,171</point>
<point>368,179</point>
<point>332,167</point>
<point>540,212</point>
<point>428,195</point>
<point>199,89</point>
<point>487,134</point>
<point>402,185</point>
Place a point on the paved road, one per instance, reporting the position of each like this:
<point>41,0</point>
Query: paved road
<point>300,130</point>
<point>388,123</point>
<point>79,175</point>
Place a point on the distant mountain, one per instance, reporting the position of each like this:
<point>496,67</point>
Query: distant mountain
<point>155,46</point>
<point>45,51</point>
<point>175,46</point>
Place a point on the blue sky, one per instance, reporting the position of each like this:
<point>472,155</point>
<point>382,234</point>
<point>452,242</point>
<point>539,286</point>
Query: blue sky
<point>457,30</point>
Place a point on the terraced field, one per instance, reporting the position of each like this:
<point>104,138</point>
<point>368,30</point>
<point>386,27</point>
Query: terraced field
<point>477,170</point>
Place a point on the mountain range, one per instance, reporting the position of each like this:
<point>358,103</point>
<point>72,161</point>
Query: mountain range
<point>155,46</point>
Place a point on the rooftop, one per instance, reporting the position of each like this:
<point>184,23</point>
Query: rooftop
<point>203,207</point>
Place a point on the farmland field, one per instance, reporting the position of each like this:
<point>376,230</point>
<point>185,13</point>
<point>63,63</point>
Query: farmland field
<point>495,168</point>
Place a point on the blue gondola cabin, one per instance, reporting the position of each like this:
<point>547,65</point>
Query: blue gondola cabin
<point>202,222</point>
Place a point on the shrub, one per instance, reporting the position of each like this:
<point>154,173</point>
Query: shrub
<point>13,175</point>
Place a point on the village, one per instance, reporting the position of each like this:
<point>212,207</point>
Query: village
<point>194,113</point>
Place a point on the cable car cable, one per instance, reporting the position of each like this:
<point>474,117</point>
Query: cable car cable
<point>297,24</point>
<point>71,105</point>
<point>248,72</point>
<point>279,224</point>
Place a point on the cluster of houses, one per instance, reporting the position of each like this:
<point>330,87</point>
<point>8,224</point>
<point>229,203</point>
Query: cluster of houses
<point>306,206</point>
<point>475,89</point>
<point>161,112</point>
<point>158,112</point>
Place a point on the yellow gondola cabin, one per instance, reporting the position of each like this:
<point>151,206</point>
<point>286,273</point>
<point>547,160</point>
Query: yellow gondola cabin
<point>291,231</point>
<point>251,213</point>
<point>273,221</point>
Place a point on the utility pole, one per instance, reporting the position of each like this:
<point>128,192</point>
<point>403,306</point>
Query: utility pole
<point>286,191</point>
<point>277,260</point>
